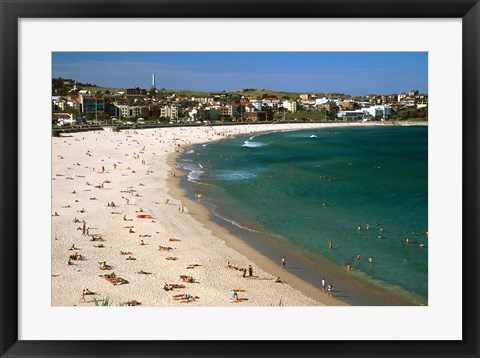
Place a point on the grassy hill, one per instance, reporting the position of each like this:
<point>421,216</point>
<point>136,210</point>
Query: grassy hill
<point>61,86</point>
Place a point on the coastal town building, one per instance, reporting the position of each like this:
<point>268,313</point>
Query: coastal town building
<point>169,112</point>
<point>91,105</point>
<point>290,106</point>
<point>379,111</point>
<point>156,106</point>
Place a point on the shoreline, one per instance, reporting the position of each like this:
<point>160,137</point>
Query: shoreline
<point>132,169</point>
<point>306,275</point>
<point>203,216</point>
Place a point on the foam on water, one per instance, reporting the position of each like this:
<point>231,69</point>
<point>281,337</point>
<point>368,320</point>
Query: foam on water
<point>194,171</point>
<point>253,144</point>
<point>233,175</point>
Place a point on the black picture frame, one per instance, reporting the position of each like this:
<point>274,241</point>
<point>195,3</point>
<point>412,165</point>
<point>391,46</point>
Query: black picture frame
<point>12,11</point>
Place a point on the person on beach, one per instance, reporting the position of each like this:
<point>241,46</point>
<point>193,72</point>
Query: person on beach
<point>367,226</point>
<point>282,262</point>
<point>330,244</point>
<point>359,228</point>
<point>330,289</point>
<point>278,280</point>
<point>250,270</point>
<point>349,267</point>
<point>323,284</point>
<point>358,257</point>
<point>244,273</point>
<point>233,295</point>
<point>370,260</point>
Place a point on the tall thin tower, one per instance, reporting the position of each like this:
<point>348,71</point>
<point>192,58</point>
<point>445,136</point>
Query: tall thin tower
<point>153,80</point>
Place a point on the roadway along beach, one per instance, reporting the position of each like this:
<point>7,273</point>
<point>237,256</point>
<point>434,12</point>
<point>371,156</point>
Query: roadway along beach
<point>103,181</point>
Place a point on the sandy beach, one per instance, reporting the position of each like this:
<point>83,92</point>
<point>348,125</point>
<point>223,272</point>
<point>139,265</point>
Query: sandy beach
<point>123,232</point>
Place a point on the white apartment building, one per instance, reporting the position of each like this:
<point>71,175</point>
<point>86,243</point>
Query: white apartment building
<point>169,112</point>
<point>379,111</point>
<point>257,103</point>
<point>290,106</point>
<point>201,99</point>
<point>123,110</point>
<point>320,101</point>
<point>60,103</point>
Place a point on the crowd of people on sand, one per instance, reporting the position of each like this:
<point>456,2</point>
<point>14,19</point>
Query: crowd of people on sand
<point>86,230</point>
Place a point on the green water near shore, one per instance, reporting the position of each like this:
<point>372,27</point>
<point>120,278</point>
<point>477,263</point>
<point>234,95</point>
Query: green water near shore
<point>305,188</point>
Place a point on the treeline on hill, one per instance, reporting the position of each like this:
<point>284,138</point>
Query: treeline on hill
<point>408,113</point>
<point>62,86</point>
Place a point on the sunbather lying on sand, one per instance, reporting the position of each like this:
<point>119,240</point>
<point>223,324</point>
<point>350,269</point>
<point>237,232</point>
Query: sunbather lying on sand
<point>192,266</point>
<point>141,272</point>
<point>97,238</point>
<point>112,278</point>
<point>77,256</point>
<point>165,248</point>
<point>185,298</point>
<point>186,278</point>
<point>86,291</point>
<point>173,258</point>
<point>171,286</point>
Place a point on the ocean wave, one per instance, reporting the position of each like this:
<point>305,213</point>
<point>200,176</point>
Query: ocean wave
<point>253,144</point>
<point>313,136</point>
<point>194,172</point>
<point>234,175</point>
<point>191,151</point>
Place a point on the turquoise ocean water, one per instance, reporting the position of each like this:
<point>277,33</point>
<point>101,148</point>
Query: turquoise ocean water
<point>304,188</point>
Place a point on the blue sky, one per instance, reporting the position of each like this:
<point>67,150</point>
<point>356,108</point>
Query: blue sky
<point>355,73</point>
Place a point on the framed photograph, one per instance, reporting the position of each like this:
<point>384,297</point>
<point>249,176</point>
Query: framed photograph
<point>248,178</point>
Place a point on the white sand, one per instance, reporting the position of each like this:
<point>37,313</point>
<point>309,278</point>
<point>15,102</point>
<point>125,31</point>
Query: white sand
<point>202,242</point>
